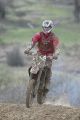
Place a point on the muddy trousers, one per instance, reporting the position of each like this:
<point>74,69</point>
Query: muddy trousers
<point>47,78</point>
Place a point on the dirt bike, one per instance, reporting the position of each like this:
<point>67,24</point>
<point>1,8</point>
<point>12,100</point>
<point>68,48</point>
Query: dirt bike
<point>36,87</point>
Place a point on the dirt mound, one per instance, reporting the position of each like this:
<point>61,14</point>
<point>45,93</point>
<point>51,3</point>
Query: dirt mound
<point>43,112</point>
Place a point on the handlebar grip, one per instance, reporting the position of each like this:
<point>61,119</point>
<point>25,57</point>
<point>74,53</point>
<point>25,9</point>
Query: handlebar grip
<point>55,57</point>
<point>28,53</point>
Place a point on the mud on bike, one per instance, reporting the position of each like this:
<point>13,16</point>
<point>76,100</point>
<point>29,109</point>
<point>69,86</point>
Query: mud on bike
<point>36,85</point>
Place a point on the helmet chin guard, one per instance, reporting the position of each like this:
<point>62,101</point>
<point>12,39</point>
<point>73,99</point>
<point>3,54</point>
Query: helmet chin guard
<point>47,26</point>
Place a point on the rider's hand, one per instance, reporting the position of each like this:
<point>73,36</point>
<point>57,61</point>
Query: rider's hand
<point>26,51</point>
<point>56,54</point>
<point>55,57</point>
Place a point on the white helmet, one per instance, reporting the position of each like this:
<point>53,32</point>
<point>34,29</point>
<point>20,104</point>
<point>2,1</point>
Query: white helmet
<point>47,26</point>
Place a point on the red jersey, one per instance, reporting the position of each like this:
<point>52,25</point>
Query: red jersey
<point>46,42</point>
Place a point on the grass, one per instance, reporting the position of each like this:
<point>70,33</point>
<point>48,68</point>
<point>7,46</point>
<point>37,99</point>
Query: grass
<point>17,35</point>
<point>67,31</point>
<point>12,75</point>
<point>68,34</point>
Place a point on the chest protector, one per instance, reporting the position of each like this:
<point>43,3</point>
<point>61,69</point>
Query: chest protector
<point>46,43</point>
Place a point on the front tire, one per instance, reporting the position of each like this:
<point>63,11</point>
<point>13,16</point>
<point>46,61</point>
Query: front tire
<point>40,92</point>
<point>29,95</point>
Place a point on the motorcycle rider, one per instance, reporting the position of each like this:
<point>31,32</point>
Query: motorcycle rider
<point>47,44</point>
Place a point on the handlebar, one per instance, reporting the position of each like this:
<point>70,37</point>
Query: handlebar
<point>44,57</point>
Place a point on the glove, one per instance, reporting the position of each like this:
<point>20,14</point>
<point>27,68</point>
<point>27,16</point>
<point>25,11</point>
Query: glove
<point>26,51</point>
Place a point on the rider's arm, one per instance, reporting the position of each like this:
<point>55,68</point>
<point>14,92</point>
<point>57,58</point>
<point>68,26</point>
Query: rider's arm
<point>30,48</point>
<point>35,40</point>
<point>57,47</point>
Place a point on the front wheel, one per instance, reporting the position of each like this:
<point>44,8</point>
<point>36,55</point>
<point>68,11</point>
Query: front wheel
<point>30,93</point>
<point>41,94</point>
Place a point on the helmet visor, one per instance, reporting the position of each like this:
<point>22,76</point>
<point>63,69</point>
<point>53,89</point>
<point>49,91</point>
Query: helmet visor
<point>47,29</point>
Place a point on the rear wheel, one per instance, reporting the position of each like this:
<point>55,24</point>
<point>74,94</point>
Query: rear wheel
<point>40,97</point>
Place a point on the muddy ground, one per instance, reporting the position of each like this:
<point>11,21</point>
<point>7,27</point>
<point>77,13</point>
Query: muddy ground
<point>43,112</point>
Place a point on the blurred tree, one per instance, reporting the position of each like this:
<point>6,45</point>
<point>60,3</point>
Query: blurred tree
<point>2,9</point>
<point>77,10</point>
<point>59,2</point>
<point>3,5</point>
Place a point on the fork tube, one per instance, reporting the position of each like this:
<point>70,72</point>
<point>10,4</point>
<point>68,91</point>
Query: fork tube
<point>38,80</point>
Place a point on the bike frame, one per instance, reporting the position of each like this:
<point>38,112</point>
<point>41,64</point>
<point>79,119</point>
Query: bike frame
<point>44,58</point>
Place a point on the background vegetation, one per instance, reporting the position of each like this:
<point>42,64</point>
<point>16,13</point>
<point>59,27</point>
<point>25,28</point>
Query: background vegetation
<point>21,20</point>
<point>24,18</point>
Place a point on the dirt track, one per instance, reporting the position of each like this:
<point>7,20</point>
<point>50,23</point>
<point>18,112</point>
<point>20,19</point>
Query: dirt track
<point>43,112</point>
